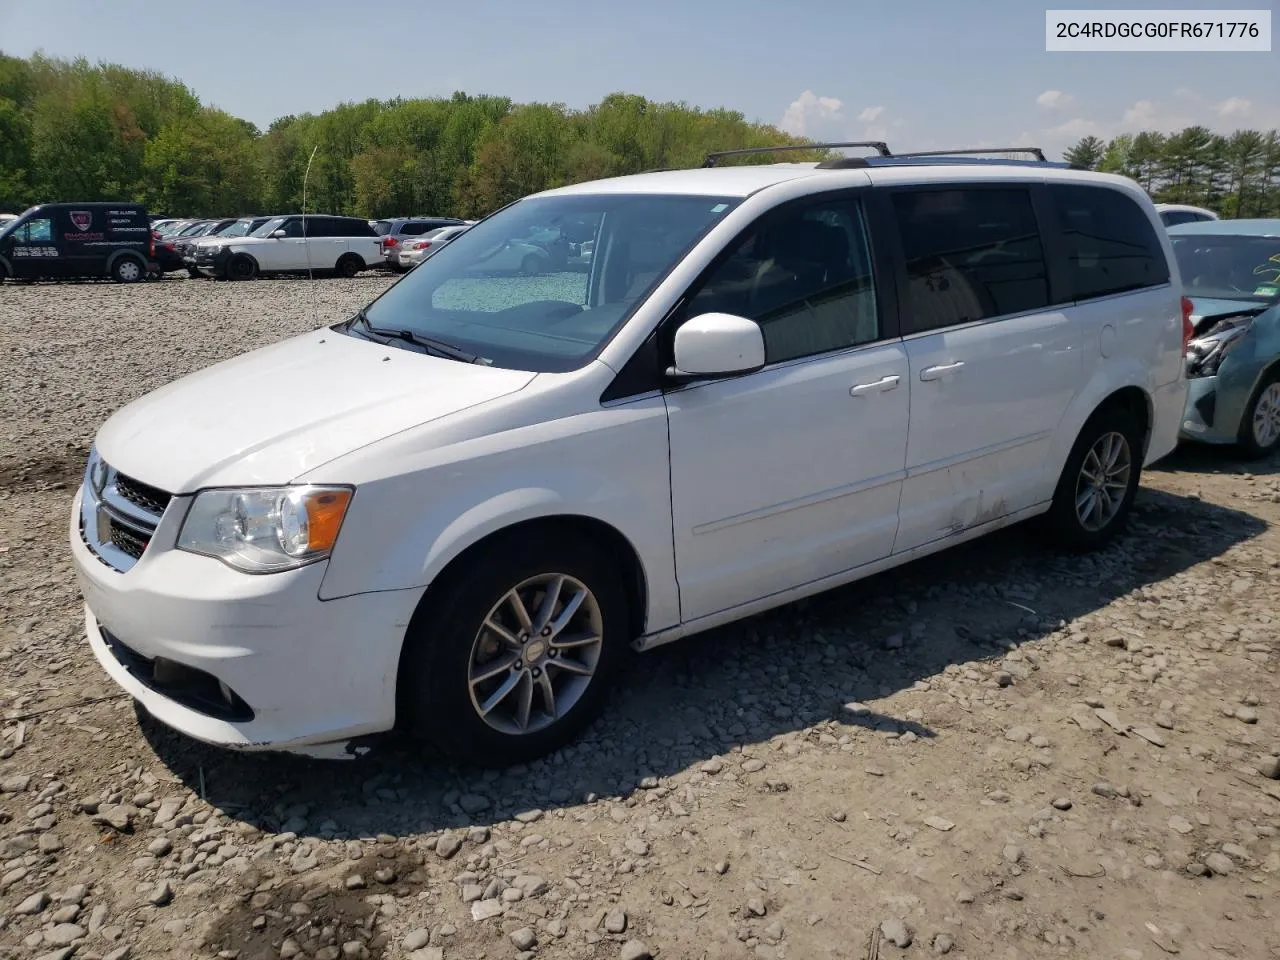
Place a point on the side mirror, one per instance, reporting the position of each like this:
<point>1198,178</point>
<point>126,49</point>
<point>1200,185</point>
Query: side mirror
<point>278,234</point>
<point>717,345</point>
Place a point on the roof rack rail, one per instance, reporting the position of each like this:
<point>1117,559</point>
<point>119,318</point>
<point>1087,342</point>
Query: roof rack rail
<point>879,146</point>
<point>1034,151</point>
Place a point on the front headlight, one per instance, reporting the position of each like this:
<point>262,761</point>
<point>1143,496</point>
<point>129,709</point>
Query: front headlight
<point>1205,354</point>
<point>265,529</point>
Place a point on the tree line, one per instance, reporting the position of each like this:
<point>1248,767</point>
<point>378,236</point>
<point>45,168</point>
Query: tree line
<point>71,130</point>
<point>1237,175</point>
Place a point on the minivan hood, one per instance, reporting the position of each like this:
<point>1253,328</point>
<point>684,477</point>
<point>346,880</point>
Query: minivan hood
<point>271,415</point>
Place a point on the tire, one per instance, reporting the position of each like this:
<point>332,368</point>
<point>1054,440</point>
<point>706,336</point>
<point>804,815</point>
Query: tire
<point>242,267</point>
<point>128,270</point>
<point>531,264</point>
<point>1112,435</point>
<point>193,273</point>
<point>349,265</point>
<point>1259,435</point>
<point>4,272</point>
<point>440,694</point>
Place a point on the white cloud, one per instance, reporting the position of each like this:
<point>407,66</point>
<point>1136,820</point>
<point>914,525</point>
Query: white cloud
<point>1055,100</point>
<point>1233,107</point>
<point>1141,113</point>
<point>810,115</point>
<point>871,114</point>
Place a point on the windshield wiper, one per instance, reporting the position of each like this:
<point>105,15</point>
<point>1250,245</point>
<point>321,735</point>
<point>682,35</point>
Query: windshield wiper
<point>439,347</point>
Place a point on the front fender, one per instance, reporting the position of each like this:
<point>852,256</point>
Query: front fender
<point>1243,368</point>
<point>609,466</point>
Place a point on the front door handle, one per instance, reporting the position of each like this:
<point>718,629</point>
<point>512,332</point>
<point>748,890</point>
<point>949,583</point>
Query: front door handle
<point>880,386</point>
<point>938,372</point>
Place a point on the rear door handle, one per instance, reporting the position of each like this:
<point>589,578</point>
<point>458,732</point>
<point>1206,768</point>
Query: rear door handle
<point>880,386</point>
<point>938,372</point>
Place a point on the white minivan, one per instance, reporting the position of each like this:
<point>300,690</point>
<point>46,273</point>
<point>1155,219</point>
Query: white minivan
<point>457,510</point>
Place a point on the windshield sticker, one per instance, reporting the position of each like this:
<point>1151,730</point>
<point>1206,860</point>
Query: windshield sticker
<point>719,208</point>
<point>1266,290</point>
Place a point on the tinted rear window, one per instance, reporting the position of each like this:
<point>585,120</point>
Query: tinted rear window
<point>1111,245</point>
<point>971,254</point>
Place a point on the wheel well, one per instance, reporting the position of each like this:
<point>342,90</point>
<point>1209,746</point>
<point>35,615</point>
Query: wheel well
<point>601,533</point>
<point>617,545</point>
<point>1135,401</point>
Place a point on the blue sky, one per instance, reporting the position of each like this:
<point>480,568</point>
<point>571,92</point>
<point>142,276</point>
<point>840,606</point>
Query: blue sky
<point>921,73</point>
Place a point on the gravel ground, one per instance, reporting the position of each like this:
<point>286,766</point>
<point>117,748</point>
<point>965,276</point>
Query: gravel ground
<point>998,753</point>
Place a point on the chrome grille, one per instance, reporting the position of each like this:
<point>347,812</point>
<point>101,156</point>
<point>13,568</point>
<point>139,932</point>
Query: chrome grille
<point>118,514</point>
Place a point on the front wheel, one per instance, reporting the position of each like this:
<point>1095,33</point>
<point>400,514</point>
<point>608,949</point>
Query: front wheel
<point>1260,426</point>
<point>242,267</point>
<point>1096,490</point>
<point>128,270</point>
<point>512,660</point>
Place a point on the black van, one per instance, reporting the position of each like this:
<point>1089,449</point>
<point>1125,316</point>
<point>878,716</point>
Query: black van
<point>79,240</point>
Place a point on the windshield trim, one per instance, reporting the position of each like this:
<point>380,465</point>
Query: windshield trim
<point>578,363</point>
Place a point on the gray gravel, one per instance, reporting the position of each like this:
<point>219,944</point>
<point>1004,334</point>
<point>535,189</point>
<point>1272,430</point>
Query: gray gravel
<point>996,752</point>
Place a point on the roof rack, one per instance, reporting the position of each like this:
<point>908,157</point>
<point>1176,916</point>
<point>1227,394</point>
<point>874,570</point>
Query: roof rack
<point>877,145</point>
<point>1034,151</point>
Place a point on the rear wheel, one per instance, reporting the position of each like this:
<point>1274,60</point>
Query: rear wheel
<point>4,272</point>
<point>1096,490</point>
<point>512,660</point>
<point>1260,426</point>
<point>349,265</point>
<point>242,267</point>
<point>128,270</point>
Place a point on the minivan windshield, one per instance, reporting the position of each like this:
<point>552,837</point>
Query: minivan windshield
<point>1222,267</point>
<point>520,291</point>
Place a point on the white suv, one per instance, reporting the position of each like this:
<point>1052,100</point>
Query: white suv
<point>766,381</point>
<point>294,244</point>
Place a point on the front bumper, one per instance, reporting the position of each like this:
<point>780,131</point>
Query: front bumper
<point>1203,420</point>
<point>242,661</point>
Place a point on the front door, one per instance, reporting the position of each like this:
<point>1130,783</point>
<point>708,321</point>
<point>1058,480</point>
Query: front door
<point>994,364</point>
<point>791,474</point>
<point>36,250</point>
<point>284,253</point>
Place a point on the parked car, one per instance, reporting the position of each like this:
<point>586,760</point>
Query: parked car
<point>455,510</point>
<point>230,229</point>
<point>58,240</point>
<point>168,255</point>
<point>413,252</point>
<point>292,244</point>
<point>185,244</point>
<point>1172,214</point>
<point>395,232</point>
<point>1231,271</point>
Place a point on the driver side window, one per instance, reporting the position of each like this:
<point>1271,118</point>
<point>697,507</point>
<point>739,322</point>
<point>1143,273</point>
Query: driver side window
<point>804,275</point>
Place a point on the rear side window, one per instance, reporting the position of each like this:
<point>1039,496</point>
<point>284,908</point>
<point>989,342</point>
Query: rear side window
<point>970,254</point>
<point>353,227</point>
<point>415,229</point>
<point>1111,246</point>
